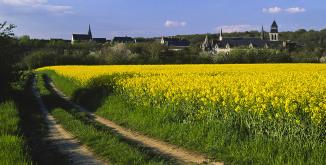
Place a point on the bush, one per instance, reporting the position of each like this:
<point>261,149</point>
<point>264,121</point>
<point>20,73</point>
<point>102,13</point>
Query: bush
<point>40,58</point>
<point>323,59</point>
<point>118,54</point>
<point>205,57</point>
<point>49,57</point>
<point>236,56</point>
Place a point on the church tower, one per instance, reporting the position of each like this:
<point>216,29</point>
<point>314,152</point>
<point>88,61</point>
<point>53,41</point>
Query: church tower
<point>273,35</point>
<point>90,32</point>
<point>221,35</point>
<point>205,46</point>
<point>206,42</point>
<point>262,33</point>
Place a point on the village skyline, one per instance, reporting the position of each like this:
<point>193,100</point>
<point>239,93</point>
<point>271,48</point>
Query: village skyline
<point>59,19</point>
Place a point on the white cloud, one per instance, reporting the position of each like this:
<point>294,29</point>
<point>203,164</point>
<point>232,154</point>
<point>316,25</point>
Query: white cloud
<point>294,10</point>
<point>58,9</point>
<point>24,2</point>
<point>236,28</point>
<point>272,10</point>
<point>171,24</point>
<point>291,10</point>
<point>39,5</point>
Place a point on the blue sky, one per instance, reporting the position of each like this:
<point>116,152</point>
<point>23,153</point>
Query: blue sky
<point>147,18</point>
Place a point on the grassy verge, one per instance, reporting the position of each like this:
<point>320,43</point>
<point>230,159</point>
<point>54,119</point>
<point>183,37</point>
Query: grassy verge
<point>227,140</point>
<point>101,140</point>
<point>11,142</point>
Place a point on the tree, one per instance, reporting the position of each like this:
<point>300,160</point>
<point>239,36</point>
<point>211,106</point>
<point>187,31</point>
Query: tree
<point>118,54</point>
<point>6,30</point>
<point>7,55</point>
<point>25,40</point>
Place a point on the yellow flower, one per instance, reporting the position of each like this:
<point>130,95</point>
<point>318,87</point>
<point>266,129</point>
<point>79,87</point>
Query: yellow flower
<point>279,88</point>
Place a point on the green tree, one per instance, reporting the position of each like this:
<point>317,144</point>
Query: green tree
<point>7,55</point>
<point>6,30</point>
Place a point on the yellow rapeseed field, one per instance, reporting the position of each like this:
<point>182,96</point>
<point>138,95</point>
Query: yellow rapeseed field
<point>275,90</point>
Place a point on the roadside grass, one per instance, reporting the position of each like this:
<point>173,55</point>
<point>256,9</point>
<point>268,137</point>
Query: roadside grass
<point>104,142</point>
<point>227,140</point>
<point>12,146</point>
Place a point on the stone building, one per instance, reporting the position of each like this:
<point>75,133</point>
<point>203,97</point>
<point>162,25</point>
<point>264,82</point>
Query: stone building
<point>224,44</point>
<point>175,44</point>
<point>86,37</point>
<point>124,40</point>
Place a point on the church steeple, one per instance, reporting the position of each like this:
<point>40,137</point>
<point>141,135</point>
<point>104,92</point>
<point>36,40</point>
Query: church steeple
<point>90,32</point>
<point>205,45</point>
<point>273,35</point>
<point>221,35</point>
<point>274,26</point>
<point>206,39</point>
<point>262,34</point>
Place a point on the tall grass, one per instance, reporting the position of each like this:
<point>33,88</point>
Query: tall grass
<point>220,139</point>
<point>227,139</point>
<point>12,147</point>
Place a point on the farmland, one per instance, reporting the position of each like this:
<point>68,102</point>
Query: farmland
<point>84,83</point>
<point>242,114</point>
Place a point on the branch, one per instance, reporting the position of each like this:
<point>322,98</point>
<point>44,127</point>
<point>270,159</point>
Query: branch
<point>6,30</point>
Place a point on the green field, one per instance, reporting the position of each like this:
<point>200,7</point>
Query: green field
<point>236,139</point>
<point>239,138</point>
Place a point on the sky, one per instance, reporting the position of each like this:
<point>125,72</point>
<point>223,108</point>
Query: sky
<point>154,18</point>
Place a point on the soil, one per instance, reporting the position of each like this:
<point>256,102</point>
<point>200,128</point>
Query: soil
<point>63,140</point>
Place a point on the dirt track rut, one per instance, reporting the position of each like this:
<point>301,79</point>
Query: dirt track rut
<point>157,145</point>
<point>63,140</point>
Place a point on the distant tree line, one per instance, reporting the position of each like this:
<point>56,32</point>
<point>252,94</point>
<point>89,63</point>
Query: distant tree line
<point>62,53</point>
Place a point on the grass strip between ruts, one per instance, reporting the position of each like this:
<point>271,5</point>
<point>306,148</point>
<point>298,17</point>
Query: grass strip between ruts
<point>102,141</point>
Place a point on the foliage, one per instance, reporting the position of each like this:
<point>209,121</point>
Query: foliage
<point>49,57</point>
<point>147,53</point>
<point>253,56</point>
<point>118,54</point>
<point>310,48</point>
<point>7,55</point>
<point>6,30</point>
<point>26,53</point>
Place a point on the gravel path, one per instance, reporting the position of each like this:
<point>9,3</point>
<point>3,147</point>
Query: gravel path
<point>63,140</point>
<point>157,145</point>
